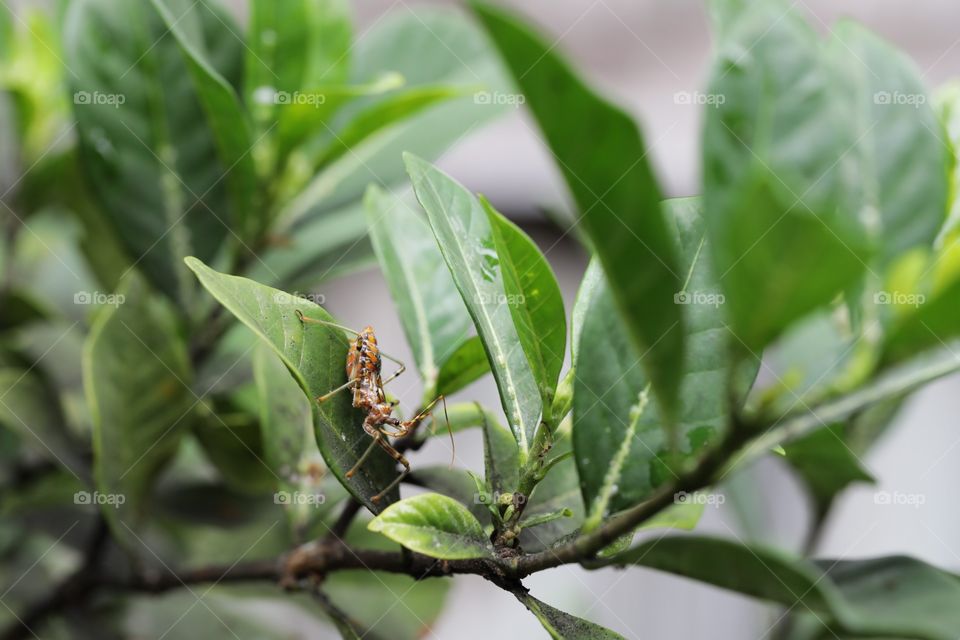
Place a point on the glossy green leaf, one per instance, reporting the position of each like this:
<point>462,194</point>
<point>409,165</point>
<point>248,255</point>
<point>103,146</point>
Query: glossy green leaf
<point>290,448</point>
<point>780,191</point>
<point>434,318</point>
<point>563,626</point>
<point>534,299</point>
<point>592,279</point>
<point>884,597</point>
<point>602,155</point>
<point>137,377</point>
<point>315,355</point>
<point>455,483</point>
<point>228,123</point>
<point>899,147</point>
<point>466,364</point>
<point>623,452</point>
<point>826,463</point>
<point>466,239</point>
<point>152,164</point>
<point>434,525</point>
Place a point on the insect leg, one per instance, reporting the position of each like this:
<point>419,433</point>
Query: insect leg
<point>328,394</point>
<point>412,423</point>
<point>309,320</point>
<point>377,437</point>
<point>396,455</point>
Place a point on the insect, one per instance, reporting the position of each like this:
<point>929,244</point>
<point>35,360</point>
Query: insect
<point>364,362</point>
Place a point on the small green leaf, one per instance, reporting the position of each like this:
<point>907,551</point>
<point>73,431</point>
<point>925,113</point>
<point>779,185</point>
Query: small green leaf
<point>314,355</point>
<point>466,364</point>
<point>434,525</point>
<point>466,238</point>
<point>137,376</point>
<point>433,316</point>
<point>563,626</point>
<point>455,483</point>
<point>602,155</point>
<point>826,463</point>
<point>501,457</point>
<point>534,299</point>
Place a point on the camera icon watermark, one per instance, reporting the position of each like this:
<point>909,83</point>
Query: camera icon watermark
<point>98,298</point>
<point>699,98</point>
<point>898,98</point>
<point>699,497</point>
<point>699,298</point>
<point>313,99</point>
<point>499,98</point>
<point>99,98</point>
<point>299,498</point>
<point>96,498</point>
<point>899,499</point>
<point>899,298</point>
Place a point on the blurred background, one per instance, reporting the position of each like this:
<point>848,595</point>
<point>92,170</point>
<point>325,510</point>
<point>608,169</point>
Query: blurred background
<point>646,54</point>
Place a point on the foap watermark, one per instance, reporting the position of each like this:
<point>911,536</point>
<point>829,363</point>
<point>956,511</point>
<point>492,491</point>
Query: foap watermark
<point>299,498</point>
<point>705,298</point>
<point>699,98</point>
<point>282,297</point>
<point>499,98</point>
<point>304,98</point>
<point>899,298</point>
<point>699,497</point>
<point>112,499</point>
<point>99,298</point>
<point>900,499</point>
<point>509,299</point>
<point>499,498</point>
<point>99,98</point>
<point>899,98</point>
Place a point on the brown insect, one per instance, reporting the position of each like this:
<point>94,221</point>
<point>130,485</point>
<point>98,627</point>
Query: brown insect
<point>364,362</point>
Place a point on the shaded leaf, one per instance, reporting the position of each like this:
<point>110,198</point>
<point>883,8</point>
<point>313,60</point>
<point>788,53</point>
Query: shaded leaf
<point>563,626</point>
<point>466,364</point>
<point>137,377</point>
<point>826,463</point>
<point>315,355</point>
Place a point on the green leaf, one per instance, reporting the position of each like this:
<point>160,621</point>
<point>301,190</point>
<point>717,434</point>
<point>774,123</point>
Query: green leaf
<point>427,46</point>
<point>434,319</point>
<point>297,45</point>
<point>466,364</point>
<point>314,355</point>
<point>623,453</point>
<point>455,483</point>
<point>466,239</point>
<point>228,123</point>
<point>560,489</point>
<point>534,299</point>
<point>434,525</point>
<point>826,463</point>
<point>901,156</point>
<point>152,164</point>
<point>18,309</point>
<point>947,104</point>
<point>137,377</point>
<point>592,279</point>
<point>501,457</point>
<point>235,448</point>
<point>779,188</point>
<point>563,626</point>
<point>602,156</point>
<point>290,447</point>
<point>6,32</point>
<point>883,597</point>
